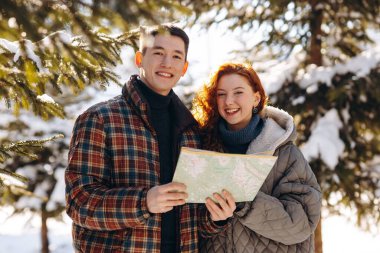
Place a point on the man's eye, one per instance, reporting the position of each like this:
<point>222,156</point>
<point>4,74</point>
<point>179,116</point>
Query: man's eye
<point>158,53</point>
<point>177,57</point>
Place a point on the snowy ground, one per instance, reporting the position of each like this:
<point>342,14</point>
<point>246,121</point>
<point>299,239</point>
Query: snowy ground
<point>19,236</point>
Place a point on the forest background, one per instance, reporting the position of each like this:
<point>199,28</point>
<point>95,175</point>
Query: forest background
<point>319,60</point>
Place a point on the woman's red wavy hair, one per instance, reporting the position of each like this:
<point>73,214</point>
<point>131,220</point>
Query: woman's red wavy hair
<point>204,107</point>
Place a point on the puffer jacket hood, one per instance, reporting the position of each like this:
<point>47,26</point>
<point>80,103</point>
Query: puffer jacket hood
<point>278,129</point>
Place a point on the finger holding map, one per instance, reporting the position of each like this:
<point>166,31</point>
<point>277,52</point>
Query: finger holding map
<point>224,207</point>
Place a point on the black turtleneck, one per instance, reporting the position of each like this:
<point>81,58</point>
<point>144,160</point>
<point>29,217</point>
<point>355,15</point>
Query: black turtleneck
<point>161,117</point>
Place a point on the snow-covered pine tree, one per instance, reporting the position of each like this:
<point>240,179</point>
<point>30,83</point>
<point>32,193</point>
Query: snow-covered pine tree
<point>327,33</point>
<point>50,51</point>
<point>336,112</point>
<point>50,46</point>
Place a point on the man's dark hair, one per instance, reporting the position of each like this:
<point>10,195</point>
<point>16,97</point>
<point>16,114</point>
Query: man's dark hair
<point>164,29</point>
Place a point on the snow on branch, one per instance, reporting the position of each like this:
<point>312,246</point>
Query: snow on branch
<point>360,65</point>
<point>325,140</point>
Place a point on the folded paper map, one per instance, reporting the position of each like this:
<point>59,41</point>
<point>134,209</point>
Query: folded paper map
<point>206,172</point>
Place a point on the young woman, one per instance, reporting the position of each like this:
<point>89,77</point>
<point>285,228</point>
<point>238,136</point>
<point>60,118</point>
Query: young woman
<point>234,118</point>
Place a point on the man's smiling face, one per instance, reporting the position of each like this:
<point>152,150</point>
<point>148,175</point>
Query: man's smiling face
<point>163,63</point>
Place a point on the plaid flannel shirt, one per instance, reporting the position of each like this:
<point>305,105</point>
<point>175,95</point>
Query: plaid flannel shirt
<point>113,162</point>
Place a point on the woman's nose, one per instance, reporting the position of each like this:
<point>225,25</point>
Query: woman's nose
<point>229,100</point>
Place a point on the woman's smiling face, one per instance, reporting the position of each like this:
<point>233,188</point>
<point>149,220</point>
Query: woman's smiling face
<point>235,99</point>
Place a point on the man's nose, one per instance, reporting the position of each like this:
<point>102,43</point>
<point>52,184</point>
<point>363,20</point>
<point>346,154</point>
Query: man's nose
<point>166,61</point>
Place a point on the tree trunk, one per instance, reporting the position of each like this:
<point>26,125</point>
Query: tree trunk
<point>315,57</point>
<point>315,50</point>
<point>318,238</point>
<point>44,230</point>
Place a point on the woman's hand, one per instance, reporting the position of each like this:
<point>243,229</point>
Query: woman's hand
<point>224,208</point>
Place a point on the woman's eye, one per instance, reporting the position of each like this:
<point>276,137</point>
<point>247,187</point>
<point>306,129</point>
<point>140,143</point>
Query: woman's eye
<point>220,94</point>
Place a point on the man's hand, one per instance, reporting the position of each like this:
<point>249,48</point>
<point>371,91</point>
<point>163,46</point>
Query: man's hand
<point>162,198</point>
<point>224,208</point>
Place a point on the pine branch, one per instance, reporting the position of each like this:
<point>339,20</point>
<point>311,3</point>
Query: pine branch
<point>349,20</point>
<point>74,64</point>
<point>18,190</point>
<point>10,178</point>
<point>24,147</point>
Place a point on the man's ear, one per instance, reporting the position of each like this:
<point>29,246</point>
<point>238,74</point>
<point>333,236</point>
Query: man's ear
<point>185,68</point>
<point>138,59</point>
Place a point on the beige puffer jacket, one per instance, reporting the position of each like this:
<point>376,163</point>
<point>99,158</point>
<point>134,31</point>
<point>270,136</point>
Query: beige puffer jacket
<point>286,211</point>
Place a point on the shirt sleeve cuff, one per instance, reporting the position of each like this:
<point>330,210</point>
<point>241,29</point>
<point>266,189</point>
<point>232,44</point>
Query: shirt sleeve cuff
<point>144,207</point>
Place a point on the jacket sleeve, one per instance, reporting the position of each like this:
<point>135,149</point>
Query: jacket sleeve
<point>208,227</point>
<point>90,201</point>
<point>288,207</point>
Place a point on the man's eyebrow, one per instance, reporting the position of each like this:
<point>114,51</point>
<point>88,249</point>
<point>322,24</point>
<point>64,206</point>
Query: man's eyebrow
<point>161,48</point>
<point>158,47</point>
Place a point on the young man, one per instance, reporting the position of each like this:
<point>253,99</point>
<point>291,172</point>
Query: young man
<point>122,158</point>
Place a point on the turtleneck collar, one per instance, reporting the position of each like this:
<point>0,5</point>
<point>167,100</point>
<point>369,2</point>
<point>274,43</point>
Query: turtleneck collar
<point>242,136</point>
<point>156,101</point>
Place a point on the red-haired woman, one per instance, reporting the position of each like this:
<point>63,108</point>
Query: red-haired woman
<point>232,112</point>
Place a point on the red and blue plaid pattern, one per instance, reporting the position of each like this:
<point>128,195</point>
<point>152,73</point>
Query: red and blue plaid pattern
<point>113,162</point>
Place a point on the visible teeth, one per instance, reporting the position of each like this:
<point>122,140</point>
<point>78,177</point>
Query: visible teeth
<point>232,110</point>
<point>164,74</point>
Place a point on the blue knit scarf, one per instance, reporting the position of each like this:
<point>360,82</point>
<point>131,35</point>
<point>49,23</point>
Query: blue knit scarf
<point>242,136</point>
